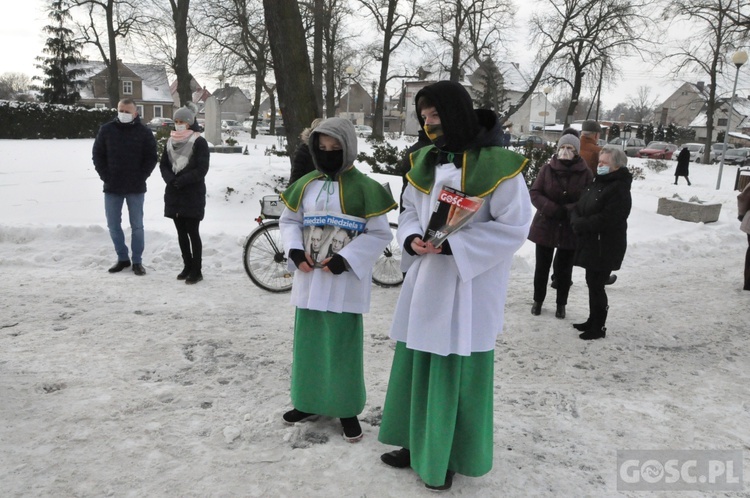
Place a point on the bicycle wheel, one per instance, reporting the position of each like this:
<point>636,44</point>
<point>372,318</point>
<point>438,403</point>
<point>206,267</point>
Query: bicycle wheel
<point>387,269</point>
<point>264,259</point>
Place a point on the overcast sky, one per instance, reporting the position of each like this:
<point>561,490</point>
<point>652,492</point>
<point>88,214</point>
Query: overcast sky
<point>22,40</point>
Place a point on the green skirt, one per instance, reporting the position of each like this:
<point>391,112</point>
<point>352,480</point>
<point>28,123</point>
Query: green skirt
<point>441,408</point>
<point>327,370</point>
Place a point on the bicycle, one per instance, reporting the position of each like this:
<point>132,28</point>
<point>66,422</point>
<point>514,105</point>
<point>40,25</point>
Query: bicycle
<point>266,265</point>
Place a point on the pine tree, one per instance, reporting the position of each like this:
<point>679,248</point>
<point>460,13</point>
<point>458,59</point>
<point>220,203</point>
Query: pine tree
<point>492,94</point>
<point>61,77</point>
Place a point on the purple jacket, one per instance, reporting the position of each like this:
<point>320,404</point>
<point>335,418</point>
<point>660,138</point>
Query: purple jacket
<point>555,191</point>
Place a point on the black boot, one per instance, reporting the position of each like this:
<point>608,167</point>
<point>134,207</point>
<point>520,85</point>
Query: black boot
<point>597,329</point>
<point>398,458</point>
<point>188,262</point>
<point>536,308</point>
<point>688,180</point>
<point>583,327</point>
<point>195,274</point>
<point>560,312</point>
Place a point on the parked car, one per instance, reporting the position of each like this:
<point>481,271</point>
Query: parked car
<point>693,147</point>
<point>632,146</point>
<point>657,150</point>
<point>739,157</point>
<point>230,124</point>
<point>261,128</point>
<point>158,123</point>
<point>363,131</point>
<point>535,140</point>
<point>716,150</point>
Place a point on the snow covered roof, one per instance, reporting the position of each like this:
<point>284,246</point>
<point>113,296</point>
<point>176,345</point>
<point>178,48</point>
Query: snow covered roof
<point>155,83</point>
<point>741,108</point>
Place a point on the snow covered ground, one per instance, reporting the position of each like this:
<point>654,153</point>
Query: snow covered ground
<point>117,385</point>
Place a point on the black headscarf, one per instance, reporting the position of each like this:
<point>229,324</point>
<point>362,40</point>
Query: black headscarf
<point>457,117</point>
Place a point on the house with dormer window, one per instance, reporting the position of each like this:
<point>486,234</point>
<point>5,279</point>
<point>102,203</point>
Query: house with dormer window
<point>146,84</point>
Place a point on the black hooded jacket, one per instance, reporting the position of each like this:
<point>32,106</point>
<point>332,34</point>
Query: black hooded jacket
<point>457,116</point>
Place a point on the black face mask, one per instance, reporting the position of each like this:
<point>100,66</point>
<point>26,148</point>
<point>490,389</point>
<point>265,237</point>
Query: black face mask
<point>330,161</point>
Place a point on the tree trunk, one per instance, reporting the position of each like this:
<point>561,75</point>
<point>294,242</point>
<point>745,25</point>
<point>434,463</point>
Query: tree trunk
<point>180,10</point>
<point>113,82</point>
<point>319,20</point>
<point>577,83</point>
<point>291,67</point>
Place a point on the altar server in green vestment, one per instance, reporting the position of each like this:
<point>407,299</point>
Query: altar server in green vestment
<point>439,404</point>
<point>342,212</point>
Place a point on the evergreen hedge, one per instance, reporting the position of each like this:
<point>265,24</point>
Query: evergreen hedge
<point>32,120</point>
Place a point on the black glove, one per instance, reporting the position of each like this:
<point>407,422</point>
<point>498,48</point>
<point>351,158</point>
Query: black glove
<point>337,264</point>
<point>407,243</point>
<point>297,256</point>
<point>446,248</point>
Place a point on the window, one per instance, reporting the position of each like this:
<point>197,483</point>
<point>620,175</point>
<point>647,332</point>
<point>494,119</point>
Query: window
<point>127,87</point>
<point>722,122</point>
<point>139,108</point>
<point>673,105</point>
<point>158,111</point>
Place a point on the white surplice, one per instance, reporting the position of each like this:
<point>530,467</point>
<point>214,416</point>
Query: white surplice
<point>319,290</point>
<point>455,304</point>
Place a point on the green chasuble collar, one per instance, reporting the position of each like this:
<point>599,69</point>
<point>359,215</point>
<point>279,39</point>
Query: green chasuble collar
<point>482,171</point>
<point>359,194</point>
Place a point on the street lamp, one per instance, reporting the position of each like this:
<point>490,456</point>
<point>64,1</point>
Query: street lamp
<point>546,91</point>
<point>738,59</point>
<point>349,71</point>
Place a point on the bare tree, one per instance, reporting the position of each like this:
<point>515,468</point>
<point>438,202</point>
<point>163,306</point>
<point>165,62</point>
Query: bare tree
<point>13,84</point>
<point>598,32</point>
<point>119,18</point>
<point>239,41</point>
<point>291,66</point>
<point>716,33</point>
<point>394,19</point>
<point>642,103</point>
<point>470,29</point>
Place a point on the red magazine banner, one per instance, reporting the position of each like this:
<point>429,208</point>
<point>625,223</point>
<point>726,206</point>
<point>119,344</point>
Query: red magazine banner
<point>453,209</point>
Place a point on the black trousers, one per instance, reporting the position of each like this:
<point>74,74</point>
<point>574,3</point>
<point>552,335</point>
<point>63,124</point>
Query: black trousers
<point>189,238</point>
<point>561,261</point>
<point>747,265</point>
<point>598,301</point>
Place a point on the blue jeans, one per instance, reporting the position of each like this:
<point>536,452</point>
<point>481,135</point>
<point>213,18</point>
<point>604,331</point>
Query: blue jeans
<point>113,210</point>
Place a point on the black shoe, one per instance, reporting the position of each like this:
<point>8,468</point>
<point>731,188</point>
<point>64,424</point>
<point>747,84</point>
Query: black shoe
<point>594,334</point>
<point>536,308</point>
<point>194,278</point>
<point>138,269</point>
<point>560,313</point>
<point>352,430</point>
<point>184,273</point>
<point>294,416</point>
<point>583,327</point>
<point>611,280</point>
<point>398,458</point>
<point>444,487</point>
<point>119,266</point>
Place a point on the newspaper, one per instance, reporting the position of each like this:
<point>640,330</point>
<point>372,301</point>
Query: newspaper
<point>325,234</point>
<point>453,209</point>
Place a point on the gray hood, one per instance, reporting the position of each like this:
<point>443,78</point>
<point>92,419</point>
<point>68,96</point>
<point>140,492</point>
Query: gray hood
<point>343,131</point>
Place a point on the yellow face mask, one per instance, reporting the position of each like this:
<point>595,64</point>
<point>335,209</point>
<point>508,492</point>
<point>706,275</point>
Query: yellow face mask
<point>435,134</point>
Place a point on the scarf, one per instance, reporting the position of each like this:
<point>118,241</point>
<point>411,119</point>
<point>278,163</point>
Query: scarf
<point>180,148</point>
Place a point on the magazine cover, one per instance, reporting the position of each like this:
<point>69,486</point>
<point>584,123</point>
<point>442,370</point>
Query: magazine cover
<point>326,234</point>
<point>453,209</point>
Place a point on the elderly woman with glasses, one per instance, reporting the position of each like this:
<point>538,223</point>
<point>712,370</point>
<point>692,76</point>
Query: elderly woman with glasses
<point>600,222</point>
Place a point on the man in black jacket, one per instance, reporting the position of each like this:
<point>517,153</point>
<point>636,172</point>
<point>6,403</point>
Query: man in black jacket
<point>124,156</point>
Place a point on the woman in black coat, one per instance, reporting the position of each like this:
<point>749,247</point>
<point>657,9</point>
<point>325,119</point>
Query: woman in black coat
<point>599,221</point>
<point>183,166</point>
<point>683,163</point>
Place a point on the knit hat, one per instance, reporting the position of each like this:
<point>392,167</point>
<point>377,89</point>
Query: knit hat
<point>571,131</point>
<point>186,114</point>
<point>570,140</point>
<point>591,125</point>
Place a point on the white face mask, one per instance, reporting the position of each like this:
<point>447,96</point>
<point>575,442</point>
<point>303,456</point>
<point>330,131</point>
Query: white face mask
<point>565,154</point>
<point>602,170</point>
<point>124,117</point>
<point>180,127</point>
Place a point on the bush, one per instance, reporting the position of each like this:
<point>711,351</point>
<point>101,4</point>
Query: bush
<point>386,159</point>
<point>32,120</point>
<point>162,135</point>
<point>537,157</point>
<point>637,173</point>
<point>656,165</point>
